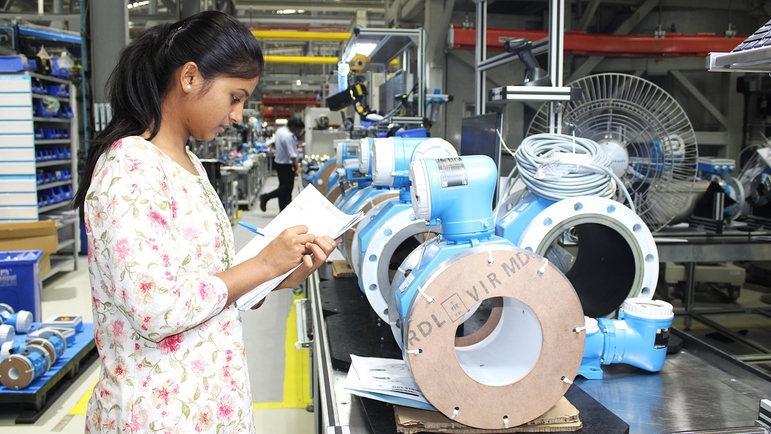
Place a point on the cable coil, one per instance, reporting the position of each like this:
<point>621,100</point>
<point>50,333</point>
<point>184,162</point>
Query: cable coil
<point>558,166</point>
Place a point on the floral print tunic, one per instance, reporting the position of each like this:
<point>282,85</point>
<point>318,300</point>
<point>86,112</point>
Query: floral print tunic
<point>172,352</point>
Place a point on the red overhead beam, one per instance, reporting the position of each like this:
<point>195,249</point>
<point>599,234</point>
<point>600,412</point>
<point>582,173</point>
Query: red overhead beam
<point>289,100</point>
<point>594,44</point>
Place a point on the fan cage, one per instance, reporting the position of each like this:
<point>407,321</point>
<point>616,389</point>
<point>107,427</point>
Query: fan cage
<point>640,117</point>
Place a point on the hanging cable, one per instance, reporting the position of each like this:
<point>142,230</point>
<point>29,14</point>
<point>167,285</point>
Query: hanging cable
<point>558,166</point>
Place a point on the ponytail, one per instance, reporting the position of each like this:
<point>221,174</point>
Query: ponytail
<point>219,44</point>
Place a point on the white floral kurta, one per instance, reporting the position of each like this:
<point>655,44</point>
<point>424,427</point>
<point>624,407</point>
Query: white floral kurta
<point>172,353</point>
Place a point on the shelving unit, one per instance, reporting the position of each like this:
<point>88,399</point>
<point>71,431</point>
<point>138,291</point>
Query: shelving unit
<point>38,169</point>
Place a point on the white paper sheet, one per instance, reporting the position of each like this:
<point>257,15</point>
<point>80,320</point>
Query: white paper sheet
<point>387,380</point>
<point>309,208</point>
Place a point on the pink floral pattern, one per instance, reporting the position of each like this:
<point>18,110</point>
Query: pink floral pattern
<point>172,352</point>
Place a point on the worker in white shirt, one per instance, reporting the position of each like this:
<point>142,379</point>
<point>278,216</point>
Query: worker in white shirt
<point>287,163</point>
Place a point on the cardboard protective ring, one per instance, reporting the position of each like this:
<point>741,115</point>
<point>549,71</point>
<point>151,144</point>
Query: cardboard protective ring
<point>46,345</point>
<point>436,369</point>
<point>323,178</point>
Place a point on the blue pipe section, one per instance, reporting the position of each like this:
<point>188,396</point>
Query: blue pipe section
<point>514,223</point>
<point>461,202</point>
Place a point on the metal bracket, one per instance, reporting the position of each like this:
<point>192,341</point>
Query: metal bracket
<point>534,93</point>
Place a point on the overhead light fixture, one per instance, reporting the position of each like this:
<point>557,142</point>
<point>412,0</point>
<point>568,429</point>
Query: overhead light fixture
<point>137,4</point>
<point>299,82</point>
<point>290,11</point>
<point>364,48</point>
<point>281,121</point>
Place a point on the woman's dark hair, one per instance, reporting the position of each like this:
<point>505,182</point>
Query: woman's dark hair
<point>219,44</point>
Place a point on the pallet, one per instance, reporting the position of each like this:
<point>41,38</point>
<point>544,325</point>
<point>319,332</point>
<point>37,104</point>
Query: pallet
<point>35,399</point>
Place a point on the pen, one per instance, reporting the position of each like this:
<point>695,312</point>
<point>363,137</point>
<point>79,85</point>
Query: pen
<point>251,228</point>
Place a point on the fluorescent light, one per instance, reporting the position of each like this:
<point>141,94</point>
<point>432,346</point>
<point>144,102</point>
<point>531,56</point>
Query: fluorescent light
<point>364,48</point>
<point>288,11</point>
<point>299,82</point>
<point>137,4</point>
<point>281,121</point>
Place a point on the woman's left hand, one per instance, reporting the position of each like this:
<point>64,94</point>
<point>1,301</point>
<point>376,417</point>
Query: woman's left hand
<point>317,254</point>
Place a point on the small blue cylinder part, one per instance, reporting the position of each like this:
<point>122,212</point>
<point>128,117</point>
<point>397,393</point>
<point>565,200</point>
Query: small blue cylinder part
<point>7,333</point>
<point>9,348</point>
<point>21,320</point>
<point>55,344</point>
<point>20,370</point>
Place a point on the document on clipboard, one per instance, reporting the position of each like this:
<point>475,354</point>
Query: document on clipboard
<point>309,208</point>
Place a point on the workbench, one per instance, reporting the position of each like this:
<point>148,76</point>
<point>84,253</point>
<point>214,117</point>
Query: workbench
<point>697,389</point>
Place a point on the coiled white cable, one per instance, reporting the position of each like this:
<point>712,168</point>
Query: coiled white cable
<point>558,166</point>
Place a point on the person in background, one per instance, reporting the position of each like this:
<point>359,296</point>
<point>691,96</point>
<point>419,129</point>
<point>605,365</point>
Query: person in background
<point>160,245</point>
<point>287,163</point>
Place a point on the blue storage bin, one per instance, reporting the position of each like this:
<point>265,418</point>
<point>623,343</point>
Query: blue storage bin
<point>12,64</point>
<point>20,282</point>
<point>41,109</point>
<point>39,133</point>
<point>38,87</point>
<point>44,197</point>
<point>67,191</point>
<point>56,71</point>
<point>65,111</point>
<point>60,90</point>
<point>58,194</point>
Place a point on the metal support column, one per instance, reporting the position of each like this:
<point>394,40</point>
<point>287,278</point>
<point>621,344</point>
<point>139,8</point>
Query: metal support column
<point>109,26</point>
<point>480,76</point>
<point>556,39</point>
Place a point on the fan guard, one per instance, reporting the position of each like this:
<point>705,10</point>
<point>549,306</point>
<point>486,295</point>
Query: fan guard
<point>646,132</point>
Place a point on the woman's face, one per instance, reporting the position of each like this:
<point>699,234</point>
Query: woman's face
<point>210,111</point>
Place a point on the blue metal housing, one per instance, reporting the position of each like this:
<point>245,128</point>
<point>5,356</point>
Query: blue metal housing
<point>459,196</point>
<point>630,339</point>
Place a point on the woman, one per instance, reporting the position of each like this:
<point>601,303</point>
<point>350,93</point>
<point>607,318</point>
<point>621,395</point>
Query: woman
<point>160,244</point>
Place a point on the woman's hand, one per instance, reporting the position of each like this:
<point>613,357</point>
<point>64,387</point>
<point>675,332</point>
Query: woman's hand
<point>286,250</point>
<point>291,247</point>
<point>319,250</point>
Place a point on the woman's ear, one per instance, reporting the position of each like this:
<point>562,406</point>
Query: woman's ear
<point>189,77</point>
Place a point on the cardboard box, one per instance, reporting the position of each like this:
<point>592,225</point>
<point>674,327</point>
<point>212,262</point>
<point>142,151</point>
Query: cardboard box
<point>45,265</point>
<point>41,235</point>
<point>563,417</point>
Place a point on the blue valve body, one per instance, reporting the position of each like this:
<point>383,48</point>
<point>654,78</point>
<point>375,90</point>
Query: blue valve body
<point>631,340</point>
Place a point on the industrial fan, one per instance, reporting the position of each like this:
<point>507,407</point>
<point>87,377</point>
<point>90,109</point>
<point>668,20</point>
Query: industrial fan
<point>646,133</point>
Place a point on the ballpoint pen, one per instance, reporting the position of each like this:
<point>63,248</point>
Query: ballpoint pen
<point>252,228</point>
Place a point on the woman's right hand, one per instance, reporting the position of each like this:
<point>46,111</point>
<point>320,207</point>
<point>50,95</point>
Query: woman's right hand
<point>286,250</point>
